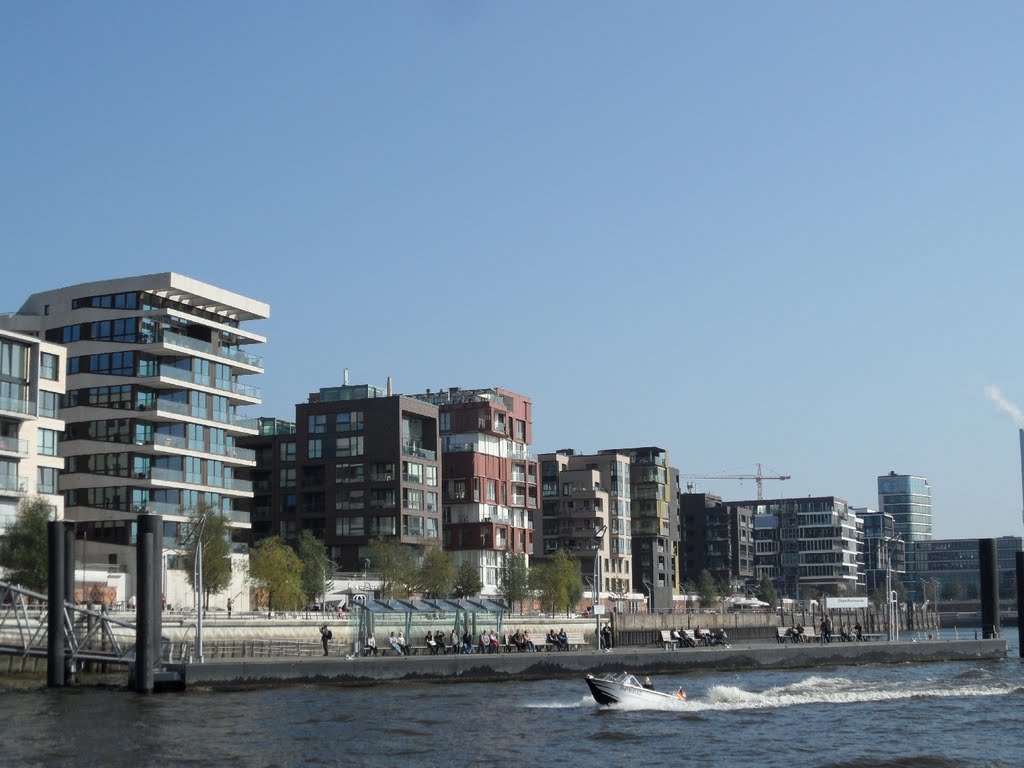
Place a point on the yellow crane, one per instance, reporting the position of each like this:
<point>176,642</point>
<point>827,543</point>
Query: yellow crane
<point>759,477</point>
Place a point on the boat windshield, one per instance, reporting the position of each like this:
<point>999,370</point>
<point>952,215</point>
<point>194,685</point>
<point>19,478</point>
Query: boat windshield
<point>626,679</point>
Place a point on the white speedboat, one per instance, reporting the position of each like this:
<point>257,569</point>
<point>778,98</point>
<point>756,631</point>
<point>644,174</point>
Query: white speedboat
<point>624,688</point>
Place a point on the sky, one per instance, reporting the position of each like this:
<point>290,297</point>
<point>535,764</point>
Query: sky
<point>784,233</point>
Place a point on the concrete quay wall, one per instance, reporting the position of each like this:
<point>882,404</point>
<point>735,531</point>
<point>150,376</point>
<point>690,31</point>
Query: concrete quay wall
<point>242,673</point>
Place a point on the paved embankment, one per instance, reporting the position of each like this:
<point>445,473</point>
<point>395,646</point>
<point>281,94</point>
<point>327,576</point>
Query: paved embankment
<point>527,666</point>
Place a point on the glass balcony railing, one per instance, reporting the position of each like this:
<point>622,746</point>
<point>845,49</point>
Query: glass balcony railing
<point>235,484</point>
<point>14,445</point>
<point>177,340</point>
<point>13,483</point>
<point>183,409</point>
<point>420,453</point>
<point>190,377</point>
<point>12,405</point>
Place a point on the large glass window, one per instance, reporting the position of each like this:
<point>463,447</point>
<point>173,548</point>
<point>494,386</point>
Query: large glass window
<point>47,442</point>
<point>48,366</point>
<point>349,498</point>
<point>288,451</point>
<point>412,472</point>
<point>317,423</point>
<point>315,448</point>
<point>46,481</point>
<point>288,478</point>
<point>349,473</point>
<point>349,446</point>
<point>349,526</point>
<point>412,498</point>
<point>431,475</point>
<point>13,360</point>
<point>349,422</point>
<point>48,404</point>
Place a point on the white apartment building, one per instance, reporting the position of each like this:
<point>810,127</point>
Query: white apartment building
<point>156,387</point>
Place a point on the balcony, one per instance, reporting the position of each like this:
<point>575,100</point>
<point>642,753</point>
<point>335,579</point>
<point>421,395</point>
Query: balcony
<point>13,484</point>
<point>190,377</point>
<point>14,445</point>
<point>420,453</point>
<point>19,407</point>
<point>206,348</point>
<point>163,405</point>
<point>382,477</point>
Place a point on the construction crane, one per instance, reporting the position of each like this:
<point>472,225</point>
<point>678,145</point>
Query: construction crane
<point>759,477</point>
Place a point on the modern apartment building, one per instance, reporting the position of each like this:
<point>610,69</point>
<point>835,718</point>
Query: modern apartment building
<point>31,385</point>
<point>883,552</point>
<point>807,545</point>
<point>717,537</point>
<point>654,516</point>
<point>490,488</point>
<point>586,509</point>
<point>359,462</point>
<point>156,385</point>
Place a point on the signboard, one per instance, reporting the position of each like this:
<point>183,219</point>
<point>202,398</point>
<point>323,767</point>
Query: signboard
<point>834,603</point>
<point>599,610</point>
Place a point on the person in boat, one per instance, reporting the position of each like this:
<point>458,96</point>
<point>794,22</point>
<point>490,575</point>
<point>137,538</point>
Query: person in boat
<point>648,684</point>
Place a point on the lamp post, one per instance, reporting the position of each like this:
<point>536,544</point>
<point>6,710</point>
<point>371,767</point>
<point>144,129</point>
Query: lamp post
<point>890,595</point>
<point>599,533</point>
<point>935,598</point>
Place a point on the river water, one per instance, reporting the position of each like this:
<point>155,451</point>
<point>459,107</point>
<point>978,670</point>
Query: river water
<point>928,715</point>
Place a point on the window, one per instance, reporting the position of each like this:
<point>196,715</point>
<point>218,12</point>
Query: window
<point>444,421</point>
<point>383,473</point>
<point>48,366</point>
<point>431,501</point>
<point>383,526</point>
<point>349,422</point>
<point>350,498</point>
<point>349,526</point>
<point>288,478</point>
<point>431,528</point>
<point>349,446</point>
<point>48,404</point>
<point>288,451</point>
<point>315,449</point>
<point>349,473</point>
<point>412,525</point>
<point>46,481</point>
<point>317,423</point>
<point>492,491</point>
<point>47,442</point>
<point>431,476</point>
<point>412,472</point>
<point>412,498</point>
<point>193,470</point>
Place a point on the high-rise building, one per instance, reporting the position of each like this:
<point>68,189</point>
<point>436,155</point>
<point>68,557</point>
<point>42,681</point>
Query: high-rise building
<point>359,463</point>
<point>490,488</point>
<point>31,384</point>
<point>908,498</point>
<point>807,545</point>
<point>586,510</point>
<point>156,383</point>
<point>717,537</point>
<point>654,496</point>
<point>954,566</point>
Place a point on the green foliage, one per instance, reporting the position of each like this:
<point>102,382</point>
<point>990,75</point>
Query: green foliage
<point>437,574</point>
<point>396,566</point>
<point>707,589</point>
<point>766,592</point>
<point>513,579</point>
<point>215,538</point>
<point>467,580</point>
<point>275,567</point>
<point>316,567</point>
<point>558,582</point>
<point>24,546</point>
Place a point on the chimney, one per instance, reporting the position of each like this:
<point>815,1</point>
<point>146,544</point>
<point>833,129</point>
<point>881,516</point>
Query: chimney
<point>344,377</point>
<point>390,391</point>
<point>1022,463</point>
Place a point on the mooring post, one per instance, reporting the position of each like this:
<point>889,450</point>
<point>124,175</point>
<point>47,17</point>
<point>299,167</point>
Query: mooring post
<point>156,523</point>
<point>1019,557</point>
<point>988,567</point>
<point>55,605</point>
<point>144,609</point>
<point>69,587</point>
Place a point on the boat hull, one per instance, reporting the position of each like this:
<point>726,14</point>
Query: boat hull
<point>608,691</point>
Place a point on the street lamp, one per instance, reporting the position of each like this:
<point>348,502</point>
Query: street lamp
<point>599,533</point>
<point>890,596</point>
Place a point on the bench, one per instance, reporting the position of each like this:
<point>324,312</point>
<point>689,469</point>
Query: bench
<point>808,635</point>
<point>666,638</point>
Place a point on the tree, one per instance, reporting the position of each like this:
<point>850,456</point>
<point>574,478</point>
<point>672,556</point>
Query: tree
<point>513,579</point>
<point>707,589</point>
<point>558,582</point>
<point>210,527</point>
<point>467,580</point>
<point>618,588</point>
<point>24,546</point>
<point>316,567</point>
<point>395,564</point>
<point>275,567</point>
<point>437,573</point>
<point>766,592</point>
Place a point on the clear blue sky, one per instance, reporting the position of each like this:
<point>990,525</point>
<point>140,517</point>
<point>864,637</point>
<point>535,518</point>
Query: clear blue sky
<point>786,233</point>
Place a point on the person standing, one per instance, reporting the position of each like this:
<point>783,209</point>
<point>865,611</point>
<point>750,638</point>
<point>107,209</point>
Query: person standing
<point>325,637</point>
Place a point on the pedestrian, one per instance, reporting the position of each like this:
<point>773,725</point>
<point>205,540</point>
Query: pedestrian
<point>230,605</point>
<point>325,637</point>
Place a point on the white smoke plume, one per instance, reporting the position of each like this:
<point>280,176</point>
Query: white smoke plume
<point>996,396</point>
